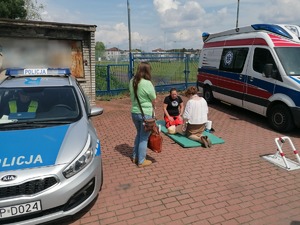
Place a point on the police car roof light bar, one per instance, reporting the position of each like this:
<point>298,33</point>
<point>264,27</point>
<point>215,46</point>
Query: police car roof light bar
<point>38,72</point>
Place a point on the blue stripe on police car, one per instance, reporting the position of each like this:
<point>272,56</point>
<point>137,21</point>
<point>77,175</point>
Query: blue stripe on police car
<point>98,148</point>
<point>31,148</point>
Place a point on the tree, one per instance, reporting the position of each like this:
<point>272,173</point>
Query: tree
<point>33,9</point>
<point>99,50</point>
<point>20,9</point>
<point>12,9</point>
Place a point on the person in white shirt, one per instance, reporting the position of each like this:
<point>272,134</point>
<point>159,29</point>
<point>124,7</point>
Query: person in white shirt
<point>195,117</point>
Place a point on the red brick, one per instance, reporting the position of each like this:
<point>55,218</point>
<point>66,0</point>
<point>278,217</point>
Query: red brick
<point>194,186</point>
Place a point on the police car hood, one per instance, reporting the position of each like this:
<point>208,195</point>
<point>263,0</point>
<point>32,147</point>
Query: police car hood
<point>30,148</point>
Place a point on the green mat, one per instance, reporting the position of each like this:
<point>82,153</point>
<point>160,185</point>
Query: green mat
<point>184,141</point>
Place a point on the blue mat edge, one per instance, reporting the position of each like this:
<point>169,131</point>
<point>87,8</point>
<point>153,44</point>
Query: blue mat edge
<point>191,142</point>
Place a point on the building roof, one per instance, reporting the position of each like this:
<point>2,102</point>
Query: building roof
<point>114,49</point>
<point>43,24</point>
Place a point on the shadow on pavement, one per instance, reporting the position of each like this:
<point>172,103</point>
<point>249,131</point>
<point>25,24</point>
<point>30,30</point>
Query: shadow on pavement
<point>126,150</point>
<point>239,113</point>
<point>295,223</point>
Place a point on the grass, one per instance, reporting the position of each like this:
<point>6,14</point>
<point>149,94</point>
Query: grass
<point>122,95</point>
<point>164,72</point>
<point>126,94</point>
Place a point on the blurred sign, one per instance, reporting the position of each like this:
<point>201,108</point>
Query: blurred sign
<point>41,53</point>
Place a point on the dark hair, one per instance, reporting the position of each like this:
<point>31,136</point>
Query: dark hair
<point>191,91</point>
<point>172,89</point>
<point>143,71</point>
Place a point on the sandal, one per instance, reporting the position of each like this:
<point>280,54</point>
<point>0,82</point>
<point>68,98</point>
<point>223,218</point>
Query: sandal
<point>204,141</point>
<point>208,141</point>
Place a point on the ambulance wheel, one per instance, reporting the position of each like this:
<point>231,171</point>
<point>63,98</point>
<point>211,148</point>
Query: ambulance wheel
<point>207,94</point>
<point>280,118</point>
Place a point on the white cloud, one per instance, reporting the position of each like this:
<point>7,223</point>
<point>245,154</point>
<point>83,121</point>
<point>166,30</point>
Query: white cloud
<point>184,23</point>
<point>113,36</point>
<point>288,12</point>
<point>163,6</point>
<point>168,23</point>
<point>187,14</point>
<point>117,36</point>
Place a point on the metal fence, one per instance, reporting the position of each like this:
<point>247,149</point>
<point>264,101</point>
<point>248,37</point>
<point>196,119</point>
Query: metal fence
<point>174,69</point>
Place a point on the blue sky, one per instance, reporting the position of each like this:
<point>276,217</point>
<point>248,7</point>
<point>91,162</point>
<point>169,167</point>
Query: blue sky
<point>167,24</point>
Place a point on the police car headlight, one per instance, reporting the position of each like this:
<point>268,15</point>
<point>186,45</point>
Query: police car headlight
<point>81,160</point>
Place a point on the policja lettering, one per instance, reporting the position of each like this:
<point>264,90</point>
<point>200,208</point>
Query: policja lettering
<point>20,160</point>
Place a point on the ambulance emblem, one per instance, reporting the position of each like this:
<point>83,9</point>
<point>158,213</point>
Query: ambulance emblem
<point>228,58</point>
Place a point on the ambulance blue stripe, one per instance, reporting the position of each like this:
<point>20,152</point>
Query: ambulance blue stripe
<point>30,148</point>
<point>295,79</point>
<point>265,85</point>
<point>261,84</point>
<point>293,94</point>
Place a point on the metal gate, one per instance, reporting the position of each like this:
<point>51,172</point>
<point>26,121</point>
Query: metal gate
<point>169,70</point>
<point>112,79</point>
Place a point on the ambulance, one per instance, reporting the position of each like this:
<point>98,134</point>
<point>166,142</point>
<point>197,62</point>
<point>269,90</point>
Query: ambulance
<point>256,67</point>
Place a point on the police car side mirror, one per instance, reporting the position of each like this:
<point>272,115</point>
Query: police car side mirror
<point>95,111</point>
<point>268,70</point>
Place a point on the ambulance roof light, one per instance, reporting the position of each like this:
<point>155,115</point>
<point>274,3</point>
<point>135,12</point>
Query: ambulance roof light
<point>272,28</point>
<point>205,35</point>
<point>38,72</point>
<point>293,29</point>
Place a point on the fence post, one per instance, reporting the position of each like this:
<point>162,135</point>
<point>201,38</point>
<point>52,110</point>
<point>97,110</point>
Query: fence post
<point>187,69</point>
<point>130,65</point>
<point>108,78</point>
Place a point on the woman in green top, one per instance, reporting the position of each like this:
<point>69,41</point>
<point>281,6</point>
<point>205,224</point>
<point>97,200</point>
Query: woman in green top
<point>141,86</point>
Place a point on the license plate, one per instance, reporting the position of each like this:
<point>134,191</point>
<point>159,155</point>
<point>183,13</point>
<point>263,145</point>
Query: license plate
<point>21,209</point>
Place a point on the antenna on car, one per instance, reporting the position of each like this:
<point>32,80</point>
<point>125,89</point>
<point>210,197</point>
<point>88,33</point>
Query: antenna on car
<point>237,17</point>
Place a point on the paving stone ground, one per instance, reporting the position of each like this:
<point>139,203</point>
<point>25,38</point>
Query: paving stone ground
<point>227,184</point>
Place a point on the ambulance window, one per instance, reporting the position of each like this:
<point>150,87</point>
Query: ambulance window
<point>289,57</point>
<point>262,57</point>
<point>233,59</point>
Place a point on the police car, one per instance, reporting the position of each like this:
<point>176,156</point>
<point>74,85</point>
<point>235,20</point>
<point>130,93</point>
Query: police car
<point>50,155</point>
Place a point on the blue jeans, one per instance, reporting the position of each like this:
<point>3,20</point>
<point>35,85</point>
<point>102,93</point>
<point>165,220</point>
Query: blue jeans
<point>141,139</point>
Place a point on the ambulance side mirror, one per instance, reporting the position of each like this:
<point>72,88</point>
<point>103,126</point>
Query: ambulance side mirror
<point>271,71</point>
<point>268,69</point>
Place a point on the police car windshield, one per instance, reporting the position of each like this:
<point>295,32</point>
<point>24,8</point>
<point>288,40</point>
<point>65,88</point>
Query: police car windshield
<point>289,57</point>
<point>38,104</point>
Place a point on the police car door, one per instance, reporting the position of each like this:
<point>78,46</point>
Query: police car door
<point>258,87</point>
